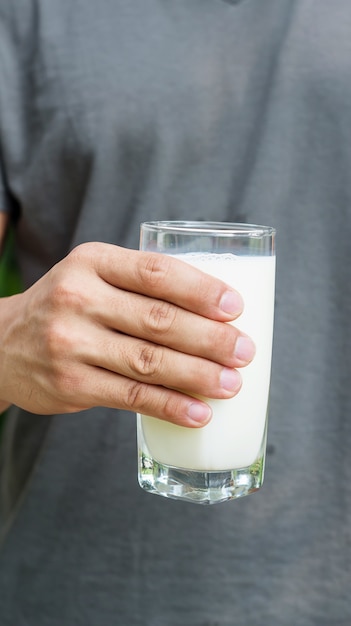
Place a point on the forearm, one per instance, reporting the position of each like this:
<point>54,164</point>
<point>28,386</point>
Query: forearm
<point>8,306</point>
<point>3,225</point>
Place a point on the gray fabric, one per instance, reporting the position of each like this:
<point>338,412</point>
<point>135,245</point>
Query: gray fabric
<point>124,110</point>
<point>5,202</point>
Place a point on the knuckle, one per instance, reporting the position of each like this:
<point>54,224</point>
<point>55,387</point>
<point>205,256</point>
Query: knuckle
<point>64,372</point>
<point>136,397</point>
<point>56,339</point>
<point>148,361</point>
<point>161,318</point>
<point>83,252</point>
<point>154,270</point>
<point>60,295</point>
<point>171,408</point>
<point>66,295</point>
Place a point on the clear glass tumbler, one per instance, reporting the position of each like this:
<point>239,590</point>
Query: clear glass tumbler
<point>225,459</point>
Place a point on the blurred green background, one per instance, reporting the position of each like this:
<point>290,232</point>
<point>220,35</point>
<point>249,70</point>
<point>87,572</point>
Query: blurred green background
<point>9,277</point>
<point>10,282</point>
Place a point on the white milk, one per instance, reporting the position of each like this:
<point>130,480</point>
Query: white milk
<point>233,438</point>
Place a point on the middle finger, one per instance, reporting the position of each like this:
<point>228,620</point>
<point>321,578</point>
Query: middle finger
<point>168,325</point>
<point>150,363</point>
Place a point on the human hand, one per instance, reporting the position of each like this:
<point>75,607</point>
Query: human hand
<point>113,327</point>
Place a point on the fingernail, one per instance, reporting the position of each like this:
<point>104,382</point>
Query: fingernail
<point>199,412</point>
<point>231,303</point>
<point>244,349</point>
<point>230,379</point>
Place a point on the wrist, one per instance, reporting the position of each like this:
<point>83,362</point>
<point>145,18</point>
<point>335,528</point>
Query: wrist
<point>9,306</point>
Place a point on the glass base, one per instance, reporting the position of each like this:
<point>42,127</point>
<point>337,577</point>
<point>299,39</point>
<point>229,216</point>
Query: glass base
<point>199,487</point>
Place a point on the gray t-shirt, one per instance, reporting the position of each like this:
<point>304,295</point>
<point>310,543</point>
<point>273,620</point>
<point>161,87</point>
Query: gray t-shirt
<point>124,110</point>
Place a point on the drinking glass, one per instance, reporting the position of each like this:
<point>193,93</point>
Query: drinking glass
<point>225,459</point>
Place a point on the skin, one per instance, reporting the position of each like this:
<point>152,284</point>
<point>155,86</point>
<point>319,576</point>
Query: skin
<point>3,226</point>
<point>125,329</point>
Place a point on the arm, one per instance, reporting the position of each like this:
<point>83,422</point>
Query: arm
<point>3,227</point>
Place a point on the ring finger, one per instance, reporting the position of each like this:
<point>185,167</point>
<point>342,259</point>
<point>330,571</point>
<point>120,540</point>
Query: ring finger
<point>157,365</point>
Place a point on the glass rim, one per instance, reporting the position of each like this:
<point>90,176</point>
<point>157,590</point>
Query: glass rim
<point>224,229</point>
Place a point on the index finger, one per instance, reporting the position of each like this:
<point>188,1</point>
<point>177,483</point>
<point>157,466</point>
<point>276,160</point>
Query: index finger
<point>167,278</point>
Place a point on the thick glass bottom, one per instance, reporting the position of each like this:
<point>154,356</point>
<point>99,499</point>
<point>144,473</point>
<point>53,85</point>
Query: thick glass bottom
<point>196,486</point>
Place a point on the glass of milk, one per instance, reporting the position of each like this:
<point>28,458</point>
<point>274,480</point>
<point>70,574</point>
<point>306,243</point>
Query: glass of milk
<point>225,459</point>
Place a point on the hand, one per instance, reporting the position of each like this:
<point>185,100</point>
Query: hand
<point>125,329</point>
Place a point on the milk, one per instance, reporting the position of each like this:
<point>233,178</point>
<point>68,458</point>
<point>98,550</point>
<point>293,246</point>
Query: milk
<point>234,437</point>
